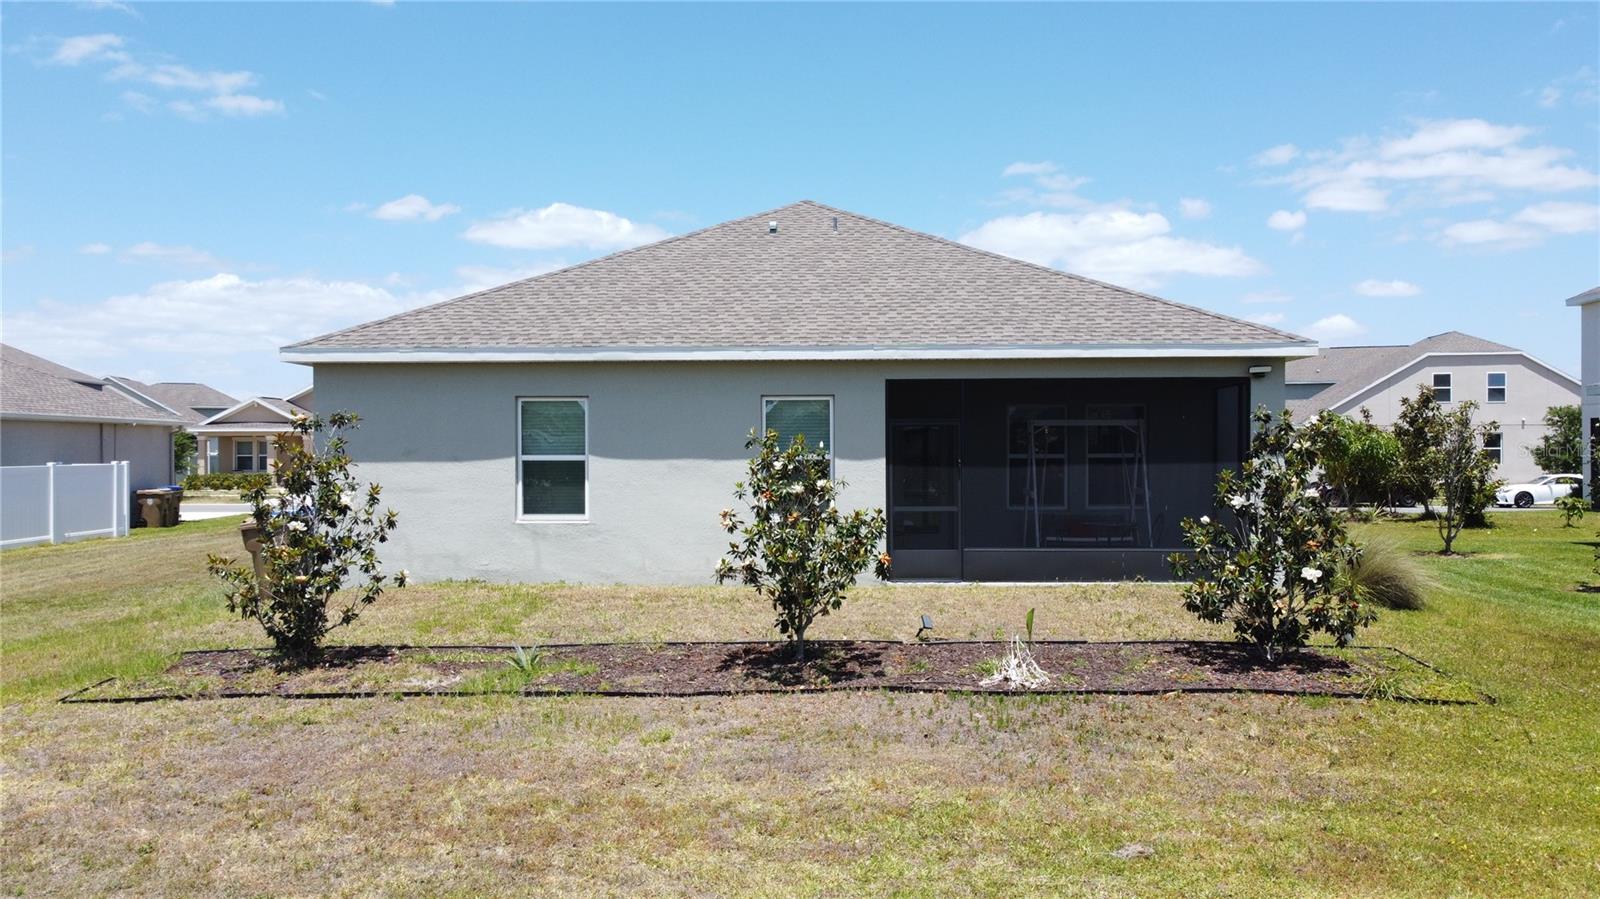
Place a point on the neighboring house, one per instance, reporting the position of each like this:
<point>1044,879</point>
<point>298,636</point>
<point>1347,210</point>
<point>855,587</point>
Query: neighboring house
<point>51,413</point>
<point>1509,386</point>
<point>1589,303</point>
<point>244,436</point>
<point>1017,422</point>
<point>188,400</point>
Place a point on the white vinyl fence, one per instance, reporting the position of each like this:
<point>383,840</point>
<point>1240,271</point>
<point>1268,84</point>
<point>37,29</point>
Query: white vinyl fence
<point>56,503</point>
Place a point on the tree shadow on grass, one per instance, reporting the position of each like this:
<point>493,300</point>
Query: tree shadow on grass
<point>826,663</point>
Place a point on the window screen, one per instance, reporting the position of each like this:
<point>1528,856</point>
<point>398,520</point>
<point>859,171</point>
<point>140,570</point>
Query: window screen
<point>808,417</point>
<point>553,459</point>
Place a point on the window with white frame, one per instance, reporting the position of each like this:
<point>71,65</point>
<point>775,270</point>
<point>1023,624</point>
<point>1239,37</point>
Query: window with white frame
<point>249,455</point>
<point>553,459</point>
<point>1497,387</point>
<point>810,417</point>
<point>213,453</point>
<point>1491,445</point>
<point>1441,386</point>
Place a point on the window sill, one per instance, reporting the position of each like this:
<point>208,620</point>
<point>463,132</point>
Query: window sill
<point>551,519</point>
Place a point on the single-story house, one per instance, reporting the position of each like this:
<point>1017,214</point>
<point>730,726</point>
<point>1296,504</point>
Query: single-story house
<point>1017,422</point>
<point>1589,303</point>
<point>244,436</point>
<point>51,413</point>
<point>1510,387</point>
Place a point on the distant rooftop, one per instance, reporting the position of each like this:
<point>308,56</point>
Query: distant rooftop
<point>34,387</point>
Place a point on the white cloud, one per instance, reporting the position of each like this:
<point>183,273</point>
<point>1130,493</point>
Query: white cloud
<point>412,207</point>
<point>1266,318</point>
<point>1119,245</point>
<point>1453,134</point>
<point>1528,227</point>
<point>193,326</point>
<point>1438,163</point>
<point>111,5</point>
<point>1028,168</point>
<point>1580,88</point>
<point>1334,327</point>
<point>1284,220</point>
<point>139,101</point>
<point>1282,154</point>
<point>244,105</point>
<point>179,255</point>
<point>562,225</point>
<point>1372,287</point>
<point>95,249</point>
<point>1194,208</point>
<point>1265,296</point>
<point>84,47</point>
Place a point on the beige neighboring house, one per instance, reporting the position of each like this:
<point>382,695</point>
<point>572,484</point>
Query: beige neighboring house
<point>243,437</point>
<point>51,413</point>
<point>1510,387</point>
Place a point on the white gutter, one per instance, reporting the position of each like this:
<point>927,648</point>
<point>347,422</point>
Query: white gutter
<point>88,419</point>
<point>314,355</point>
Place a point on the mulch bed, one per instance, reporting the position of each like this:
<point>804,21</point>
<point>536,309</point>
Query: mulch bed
<point>699,669</point>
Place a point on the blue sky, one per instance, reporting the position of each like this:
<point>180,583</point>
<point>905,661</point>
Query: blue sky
<point>187,187</point>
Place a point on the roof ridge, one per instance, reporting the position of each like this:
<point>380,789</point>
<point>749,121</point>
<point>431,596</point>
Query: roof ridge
<point>570,268</point>
<point>1056,271</point>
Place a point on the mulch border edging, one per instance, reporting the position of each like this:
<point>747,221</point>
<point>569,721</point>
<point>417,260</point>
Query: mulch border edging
<point>77,697</point>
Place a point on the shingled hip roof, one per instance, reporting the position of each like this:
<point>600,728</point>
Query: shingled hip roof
<point>803,281</point>
<point>34,388</point>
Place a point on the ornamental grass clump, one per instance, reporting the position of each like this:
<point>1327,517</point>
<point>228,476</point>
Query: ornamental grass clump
<point>798,549</point>
<point>1275,563</point>
<point>318,529</point>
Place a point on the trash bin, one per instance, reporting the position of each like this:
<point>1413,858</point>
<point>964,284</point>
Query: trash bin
<point>158,506</point>
<point>173,502</point>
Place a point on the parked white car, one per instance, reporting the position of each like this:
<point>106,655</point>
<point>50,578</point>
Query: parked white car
<point>1541,491</point>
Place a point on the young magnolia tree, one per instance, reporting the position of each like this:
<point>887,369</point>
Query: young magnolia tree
<point>1419,430</point>
<point>1276,562</point>
<point>1465,470</point>
<point>323,528</point>
<point>798,549</point>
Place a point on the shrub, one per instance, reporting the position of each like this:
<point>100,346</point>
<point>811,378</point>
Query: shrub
<point>1385,574</point>
<point>227,480</point>
<point>184,447</point>
<point>1465,470</point>
<point>798,549</point>
<point>1278,569</point>
<point>1572,509</point>
<point>1560,450</point>
<point>322,528</point>
<point>1418,430</point>
<point>1359,458</point>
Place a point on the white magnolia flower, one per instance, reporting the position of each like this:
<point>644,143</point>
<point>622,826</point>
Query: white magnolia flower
<point>822,484</point>
<point>1237,501</point>
<point>297,525</point>
<point>404,574</point>
<point>797,489</point>
<point>1311,574</point>
<point>1205,519</point>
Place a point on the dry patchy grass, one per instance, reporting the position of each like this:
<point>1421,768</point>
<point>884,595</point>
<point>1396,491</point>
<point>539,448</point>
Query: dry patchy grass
<point>833,794</point>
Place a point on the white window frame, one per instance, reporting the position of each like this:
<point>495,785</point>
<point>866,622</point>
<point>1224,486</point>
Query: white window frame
<point>251,455</point>
<point>1449,387</point>
<point>524,518</point>
<point>1496,451</point>
<point>833,438</point>
<point>1504,388</point>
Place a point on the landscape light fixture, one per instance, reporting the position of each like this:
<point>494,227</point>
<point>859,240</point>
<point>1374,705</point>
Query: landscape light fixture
<point>927,625</point>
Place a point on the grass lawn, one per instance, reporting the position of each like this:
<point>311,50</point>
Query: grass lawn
<point>828,794</point>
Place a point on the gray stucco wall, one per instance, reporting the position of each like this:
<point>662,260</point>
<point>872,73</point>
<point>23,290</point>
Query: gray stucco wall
<point>666,444</point>
<point>146,448</point>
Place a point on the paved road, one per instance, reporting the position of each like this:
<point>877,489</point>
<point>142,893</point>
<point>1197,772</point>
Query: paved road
<point>202,511</point>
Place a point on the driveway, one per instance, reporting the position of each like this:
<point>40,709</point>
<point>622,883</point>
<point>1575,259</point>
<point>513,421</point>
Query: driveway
<point>202,511</point>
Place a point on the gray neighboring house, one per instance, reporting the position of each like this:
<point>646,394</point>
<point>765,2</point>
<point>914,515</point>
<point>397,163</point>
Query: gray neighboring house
<point>1017,422</point>
<point>191,401</point>
<point>1509,386</point>
<point>1589,304</point>
<point>51,413</point>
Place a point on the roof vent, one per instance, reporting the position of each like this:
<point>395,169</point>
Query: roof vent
<point>772,227</point>
<point>835,224</point>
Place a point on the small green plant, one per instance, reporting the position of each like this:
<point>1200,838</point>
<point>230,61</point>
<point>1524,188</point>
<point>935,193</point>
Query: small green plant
<point>1572,509</point>
<point>798,549</point>
<point>1017,668</point>
<point>1030,627</point>
<point>527,662</point>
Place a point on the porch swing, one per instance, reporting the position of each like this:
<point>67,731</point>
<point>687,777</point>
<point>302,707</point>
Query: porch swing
<point>1133,478</point>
